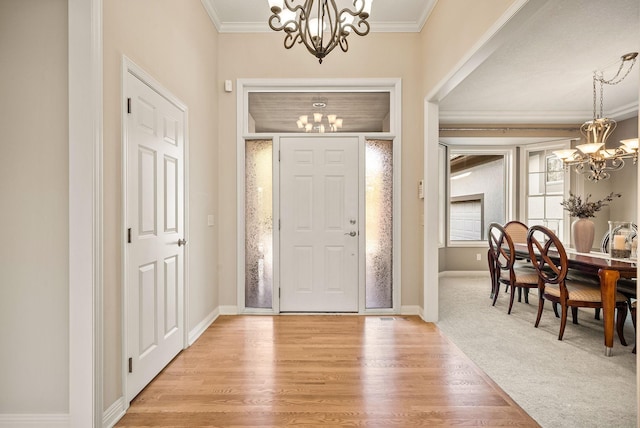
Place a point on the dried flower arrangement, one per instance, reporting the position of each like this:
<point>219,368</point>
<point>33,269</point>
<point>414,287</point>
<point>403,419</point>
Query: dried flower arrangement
<point>586,209</point>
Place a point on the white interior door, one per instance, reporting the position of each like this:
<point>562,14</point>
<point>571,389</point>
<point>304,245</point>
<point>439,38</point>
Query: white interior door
<point>155,224</point>
<point>319,224</point>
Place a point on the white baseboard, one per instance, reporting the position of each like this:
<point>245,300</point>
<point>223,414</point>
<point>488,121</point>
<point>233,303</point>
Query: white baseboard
<point>114,413</point>
<point>228,310</point>
<point>195,333</point>
<point>410,310</point>
<point>56,420</point>
<point>463,273</point>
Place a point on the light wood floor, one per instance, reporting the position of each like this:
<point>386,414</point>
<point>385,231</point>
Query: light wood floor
<point>322,371</point>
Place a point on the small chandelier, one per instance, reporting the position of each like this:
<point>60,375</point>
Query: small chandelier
<point>316,124</point>
<point>318,24</point>
<point>593,158</point>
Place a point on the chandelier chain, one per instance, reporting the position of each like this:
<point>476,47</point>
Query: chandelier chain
<point>600,78</point>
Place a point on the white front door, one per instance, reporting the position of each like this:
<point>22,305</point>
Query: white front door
<point>154,225</point>
<point>319,230</point>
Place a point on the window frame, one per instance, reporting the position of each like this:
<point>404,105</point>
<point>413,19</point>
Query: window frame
<point>509,153</point>
<point>524,181</point>
<point>442,199</point>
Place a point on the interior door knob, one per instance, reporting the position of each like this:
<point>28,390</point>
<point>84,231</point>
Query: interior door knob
<point>352,233</point>
<point>182,242</point>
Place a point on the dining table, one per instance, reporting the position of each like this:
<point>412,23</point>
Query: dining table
<point>608,270</point>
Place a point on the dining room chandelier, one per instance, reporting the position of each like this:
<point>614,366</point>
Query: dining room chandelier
<point>318,121</point>
<point>593,158</point>
<point>318,24</point>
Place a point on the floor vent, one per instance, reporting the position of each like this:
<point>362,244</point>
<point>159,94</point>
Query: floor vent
<point>387,318</point>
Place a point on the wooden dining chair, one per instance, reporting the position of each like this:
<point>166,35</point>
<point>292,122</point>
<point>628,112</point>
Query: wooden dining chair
<point>518,233</point>
<point>491,261</point>
<point>505,271</point>
<point>549,258</point>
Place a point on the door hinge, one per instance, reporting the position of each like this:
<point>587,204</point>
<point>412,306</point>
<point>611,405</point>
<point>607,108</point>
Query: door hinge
<point>278,155</point>
<point>278,224</point>
<point>129,236</point>
<point>279,293</point>
<point>129,105</point>
<point>130,365</point>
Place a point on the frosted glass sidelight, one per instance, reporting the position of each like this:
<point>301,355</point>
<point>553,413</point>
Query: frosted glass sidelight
<point>258,224</point>
<point>379,224</point>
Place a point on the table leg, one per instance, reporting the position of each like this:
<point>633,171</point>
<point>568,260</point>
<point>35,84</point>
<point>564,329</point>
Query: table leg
<point>608,285</point>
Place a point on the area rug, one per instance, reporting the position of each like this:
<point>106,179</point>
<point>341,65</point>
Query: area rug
<point>568,383</point>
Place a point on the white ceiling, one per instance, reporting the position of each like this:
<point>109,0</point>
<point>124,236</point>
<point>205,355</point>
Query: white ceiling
<point>543,71</point>
<point>539,71</point>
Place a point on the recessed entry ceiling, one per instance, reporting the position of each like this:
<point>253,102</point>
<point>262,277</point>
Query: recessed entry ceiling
<point>274,112</point>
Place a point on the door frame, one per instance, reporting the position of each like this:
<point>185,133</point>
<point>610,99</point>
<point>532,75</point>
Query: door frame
<point>129,67</point>
<point>244,87</point>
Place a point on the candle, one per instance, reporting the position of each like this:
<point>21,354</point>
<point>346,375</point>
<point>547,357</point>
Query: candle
<point>618,242</point>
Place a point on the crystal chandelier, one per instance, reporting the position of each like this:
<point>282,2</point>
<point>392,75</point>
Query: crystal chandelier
<point>318,24</point>
<point>593,158</point>
<point>314,122</point>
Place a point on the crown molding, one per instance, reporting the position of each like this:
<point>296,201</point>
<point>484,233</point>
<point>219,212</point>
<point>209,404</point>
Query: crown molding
<point>213,14</point>
<point>263,27</point>
<point>511,116</point>
<point>549,116</point>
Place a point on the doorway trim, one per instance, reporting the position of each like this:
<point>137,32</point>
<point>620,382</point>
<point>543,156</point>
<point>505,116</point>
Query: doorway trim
<point>129,67</point>
<point>85,104</point>
<point>511,20</point>
<point>244,86</point>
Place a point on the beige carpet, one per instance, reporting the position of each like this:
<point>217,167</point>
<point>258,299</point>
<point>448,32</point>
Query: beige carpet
<point>568,383</point>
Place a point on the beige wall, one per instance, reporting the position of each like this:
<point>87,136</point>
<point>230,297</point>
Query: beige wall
<point>452,30</point>
<point>622,181</point>
<point>175,42</point>
<point>374,56</point>
<point>34,274</point>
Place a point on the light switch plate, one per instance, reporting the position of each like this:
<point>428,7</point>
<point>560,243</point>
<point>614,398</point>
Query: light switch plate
<point>210,220</point>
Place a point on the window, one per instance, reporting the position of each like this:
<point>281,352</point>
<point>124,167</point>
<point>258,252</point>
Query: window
<point>319,112</point>
<point>258,224</point>
<point>480,192</point>
<point>545,187</point>
<point>379,224</point>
